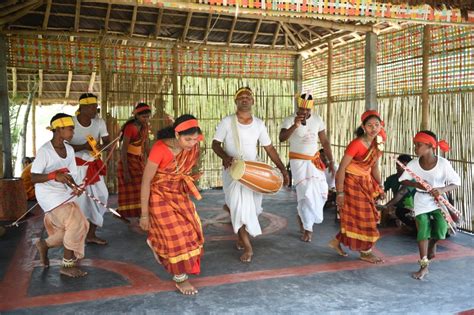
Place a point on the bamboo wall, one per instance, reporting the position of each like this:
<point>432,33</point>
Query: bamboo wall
<point>399,77</point>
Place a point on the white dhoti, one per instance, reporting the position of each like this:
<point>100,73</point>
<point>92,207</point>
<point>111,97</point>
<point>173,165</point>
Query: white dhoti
<point>245,205</point>
<point>91,209</point>
<point>311,191</point>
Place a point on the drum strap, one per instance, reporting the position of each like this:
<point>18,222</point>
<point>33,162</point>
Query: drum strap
<point>235,133</point>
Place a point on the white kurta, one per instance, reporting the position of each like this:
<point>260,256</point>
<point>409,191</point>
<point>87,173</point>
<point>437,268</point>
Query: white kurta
<point>91,209</point>
<point>310,182</point>
<point>245,205</point>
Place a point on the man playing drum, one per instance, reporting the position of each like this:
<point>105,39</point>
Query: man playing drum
<point>247,130</point>
<point>303,130</point>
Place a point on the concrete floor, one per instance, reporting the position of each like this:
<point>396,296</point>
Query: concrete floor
<point>286,275</point>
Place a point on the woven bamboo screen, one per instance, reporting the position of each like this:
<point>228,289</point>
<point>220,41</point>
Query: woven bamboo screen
<point>399,101</point>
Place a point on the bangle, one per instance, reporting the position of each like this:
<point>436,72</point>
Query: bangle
<point>143,217</point>
<point>339,193</point>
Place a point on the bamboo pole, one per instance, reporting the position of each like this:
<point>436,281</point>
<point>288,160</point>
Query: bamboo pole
<point>425,96</point>
<point>175,81</point>
<point>33,127</point>
<point>329,89</point>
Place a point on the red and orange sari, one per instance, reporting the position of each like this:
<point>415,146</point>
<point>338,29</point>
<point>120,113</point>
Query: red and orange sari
<point>175,233</point>
<point>359,216</point>
<point>129,193</point>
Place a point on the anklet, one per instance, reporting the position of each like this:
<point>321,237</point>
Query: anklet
<point>68,263</point>
<point>424,262</point>
<point>366,252</point>
<point>180,278</point>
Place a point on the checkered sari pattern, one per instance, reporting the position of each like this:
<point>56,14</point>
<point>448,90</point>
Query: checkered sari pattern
<point>175,227</point>
<point>359,216</point>
<point>129,193</point>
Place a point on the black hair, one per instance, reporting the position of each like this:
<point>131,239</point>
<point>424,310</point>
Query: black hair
<point>168,132</point>
<point>134,118</point>
<point>360,131</point>
<point>26,160</point>
<point>303,96</point>
<point>86,95</point>
<point>57,116</point>
<point>404,158</point>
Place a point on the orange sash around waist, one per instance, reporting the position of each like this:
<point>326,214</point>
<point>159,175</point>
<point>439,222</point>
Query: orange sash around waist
<point>135,150</point>
<point>316,159</point>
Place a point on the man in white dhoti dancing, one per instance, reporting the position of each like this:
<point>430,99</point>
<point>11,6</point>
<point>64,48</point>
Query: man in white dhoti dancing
<point>87,124</point>
<point>303,130</point>
<point>243,204</point>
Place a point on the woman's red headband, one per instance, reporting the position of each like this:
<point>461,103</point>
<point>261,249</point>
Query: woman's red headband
<point>368,114</point>
<point>141,109</point>
<point>185,125</point>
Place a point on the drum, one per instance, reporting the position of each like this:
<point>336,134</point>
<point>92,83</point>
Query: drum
<point>258,176</point>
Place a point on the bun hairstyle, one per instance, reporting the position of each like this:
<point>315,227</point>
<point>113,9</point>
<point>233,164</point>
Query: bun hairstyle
<point>169,132</point>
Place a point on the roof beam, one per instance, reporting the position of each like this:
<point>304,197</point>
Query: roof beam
<point>134,20</point>
<point>7,3</point>
<point>77,16</point>
<point>288,32</point>
<point>275,36</point>
<point>302,38</point>
<point>46,14</point>
<point>40,83</point>
<point>158,23</point>
<point>231,32</point>
<point>17,7</point>
<point>257,28</point>
<point>91,82</point>
<point>208,28</point>
<point>186,27</point>
<point>107,17</point>
<point>20,14</point>
<point>68,85</point>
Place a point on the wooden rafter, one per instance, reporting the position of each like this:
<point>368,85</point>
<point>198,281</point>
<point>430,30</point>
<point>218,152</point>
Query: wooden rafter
<point>14,82</point>
<point>257,28</point>
<point>134,20</point>
<point>68,85</point>
<point>40,83</point>
<point>92,82</point>
<point>7,3</point>
<point>276,35</point>
<point>208,28</point>
<point>158,23</point>
<point>290,35</point>
<point>20,13</point>
<point>107,17</point>
<point>46,14</point>
<point>17,7</point>
<point>186,26</point>
<point>231,32</point>
<point>77,16</point>
<point>301,37</point>
<point>304,27</point>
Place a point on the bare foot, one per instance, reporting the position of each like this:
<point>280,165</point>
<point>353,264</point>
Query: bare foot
<point>306,236</point>
<point>96,240</point>
<point>336,245</point>
<point>239,245</point>
<point>421,273</point>
<point>186,288</point>
<point>43,252</point>
<point>300,223</point>
<point>371,258</point>
<point>246,256</point>
<point>72,272</point>
<point>432,249</point>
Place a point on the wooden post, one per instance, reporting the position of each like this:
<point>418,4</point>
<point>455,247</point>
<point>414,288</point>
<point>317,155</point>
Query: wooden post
<point>175,81</point>
<point>298,77</point>
<point>33,127</point>
<point>425,85</point>
<point>103,83</point>
<point>4,112</point>
<point>329,90</point>
<point>370,71</point>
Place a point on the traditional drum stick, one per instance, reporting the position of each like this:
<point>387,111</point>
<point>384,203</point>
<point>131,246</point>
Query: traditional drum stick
<point>95,199</point>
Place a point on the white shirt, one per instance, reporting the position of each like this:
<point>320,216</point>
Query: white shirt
<point>249,136</point>
<point>97,129</point>
<point>51,194</point>
<point>441,175</point>
<point>304,139</point>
